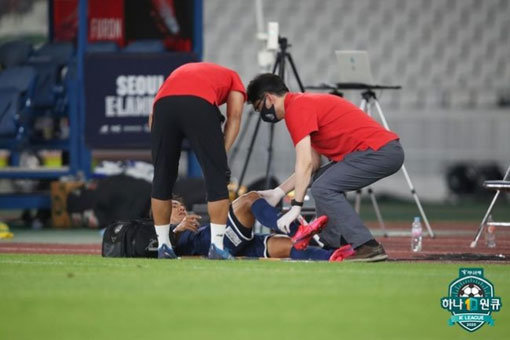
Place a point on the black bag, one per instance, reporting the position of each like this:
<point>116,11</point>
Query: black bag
<point>133,238</point>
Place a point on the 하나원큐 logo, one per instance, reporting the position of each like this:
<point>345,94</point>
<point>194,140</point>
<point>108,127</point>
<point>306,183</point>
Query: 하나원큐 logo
<point>471,300</point>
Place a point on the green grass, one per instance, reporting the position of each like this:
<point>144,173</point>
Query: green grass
<point>88,297</point>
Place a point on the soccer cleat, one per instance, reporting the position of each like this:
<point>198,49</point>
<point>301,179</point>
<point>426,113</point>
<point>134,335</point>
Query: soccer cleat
<point>304,234</point>
<point>341,253</point>
<point>166,252</point>
<point>366,253</point>
<point>216,253</point>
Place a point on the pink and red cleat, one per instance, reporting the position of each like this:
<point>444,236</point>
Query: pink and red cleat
<point>341,253</point>
<point>305,232</point>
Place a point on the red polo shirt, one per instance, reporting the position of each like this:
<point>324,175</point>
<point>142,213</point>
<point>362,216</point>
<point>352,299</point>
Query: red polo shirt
<point>336,126</point>
<point>205,80</point>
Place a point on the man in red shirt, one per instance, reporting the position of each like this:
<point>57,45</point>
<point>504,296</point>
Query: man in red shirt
<point>361,152</point>
<point>186,106</point>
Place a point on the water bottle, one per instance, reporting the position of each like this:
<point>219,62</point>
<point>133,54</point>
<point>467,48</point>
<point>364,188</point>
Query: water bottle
<point>490,234</point>
<point>416,235</point>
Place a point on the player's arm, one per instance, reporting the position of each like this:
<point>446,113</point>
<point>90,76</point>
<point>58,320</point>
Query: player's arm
<point>304,167</point>
<point>235,102</point>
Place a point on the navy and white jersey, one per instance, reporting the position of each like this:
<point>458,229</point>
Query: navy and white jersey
<point>240,240</point>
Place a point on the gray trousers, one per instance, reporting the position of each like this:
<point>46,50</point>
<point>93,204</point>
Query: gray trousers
<point>357,170</point>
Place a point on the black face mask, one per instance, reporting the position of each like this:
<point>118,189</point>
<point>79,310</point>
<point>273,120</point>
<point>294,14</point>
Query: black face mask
<point>268,115</point>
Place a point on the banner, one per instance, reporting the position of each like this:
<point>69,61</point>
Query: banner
<point>105,20</point>
<point>125,21</point>
<point>168,20</point>
<point>119,93</point>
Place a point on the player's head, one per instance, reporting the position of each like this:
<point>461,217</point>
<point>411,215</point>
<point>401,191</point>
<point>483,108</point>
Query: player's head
<point>266,93</point>
<point>178,210</point>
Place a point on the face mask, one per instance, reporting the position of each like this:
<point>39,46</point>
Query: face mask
<point>268,115</point>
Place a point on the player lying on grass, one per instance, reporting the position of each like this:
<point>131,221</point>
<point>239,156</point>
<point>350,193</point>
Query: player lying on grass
<point>190,239</point>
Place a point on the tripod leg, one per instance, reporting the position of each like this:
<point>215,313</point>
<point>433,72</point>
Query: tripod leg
<point>363,105</point>
<point>377,211</point>
<point>279,62</point>
<point>294,70</point>
<point>357,201</point>
<point>417,200</point>
<point>248,156</point>
<point>406,175</point>
<point>269,156</point>
<point>367,107</point>
<point>240,139</point>
<point>486,216</point>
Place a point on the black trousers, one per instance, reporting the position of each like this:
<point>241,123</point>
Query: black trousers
<point>193,118</point>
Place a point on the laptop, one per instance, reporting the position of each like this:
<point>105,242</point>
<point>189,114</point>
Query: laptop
<point>354,67</point>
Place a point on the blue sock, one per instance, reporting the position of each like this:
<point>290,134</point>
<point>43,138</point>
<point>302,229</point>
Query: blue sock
<point>267,215</point>
<point>293,228</point>
<point>311,253</point>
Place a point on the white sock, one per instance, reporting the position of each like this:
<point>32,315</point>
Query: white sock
<point>162,231</point>
<point>217,232</point>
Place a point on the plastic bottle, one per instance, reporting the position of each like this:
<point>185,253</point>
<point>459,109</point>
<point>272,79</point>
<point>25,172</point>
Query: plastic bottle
<point>416,235</point>
<point>490,234</point>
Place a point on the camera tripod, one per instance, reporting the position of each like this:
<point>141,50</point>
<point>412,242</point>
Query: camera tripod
<point>282,57</point>
<point>368,103</point>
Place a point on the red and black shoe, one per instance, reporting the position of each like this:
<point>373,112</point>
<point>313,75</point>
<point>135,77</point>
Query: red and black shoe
<point>304,234</point>
<point>341,253</point>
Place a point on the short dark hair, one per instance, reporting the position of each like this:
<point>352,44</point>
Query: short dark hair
<point>178,198</point>
<point>265,82</point>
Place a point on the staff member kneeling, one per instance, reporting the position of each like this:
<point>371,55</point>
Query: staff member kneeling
<point>361,152</point>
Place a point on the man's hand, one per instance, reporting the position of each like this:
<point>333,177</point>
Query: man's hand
<point>284,222</point>
<point>190,222</point>
<point>272,196</point>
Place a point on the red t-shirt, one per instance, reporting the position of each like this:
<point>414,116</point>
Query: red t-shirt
<point>205,80</point>
<point>336,126</point>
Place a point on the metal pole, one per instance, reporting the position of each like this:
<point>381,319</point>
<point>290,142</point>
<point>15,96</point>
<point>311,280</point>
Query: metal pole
<point>486,216</point>
<point>406,175</point>
<point>377,211</point>
<point>248,156</point>
<point>240,139</point>
<point>368,109</point>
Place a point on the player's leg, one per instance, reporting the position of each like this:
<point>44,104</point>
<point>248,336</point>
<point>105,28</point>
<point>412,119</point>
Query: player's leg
<point>239,230</point>
<point>242,208</point>
<point>356,171</point>
<point>268,215</point>
<point>202,127</point>
<point>166,147</point>
<point>281,246</point>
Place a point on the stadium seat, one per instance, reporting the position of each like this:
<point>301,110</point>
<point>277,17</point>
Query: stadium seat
<point>145,46</point>
<point>16,87</point>
<point>21,78</point>
<point>14,53</point>
<point>51,62</point>
<point>102,47</point>
<point>48,73</point>
<point>61,53</point>
<point>8,111</point>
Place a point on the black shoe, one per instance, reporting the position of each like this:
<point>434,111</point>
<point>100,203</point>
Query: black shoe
<point>366,253</point>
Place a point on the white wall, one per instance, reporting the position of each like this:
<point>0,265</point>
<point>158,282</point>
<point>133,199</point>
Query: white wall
<point>452,58</point>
